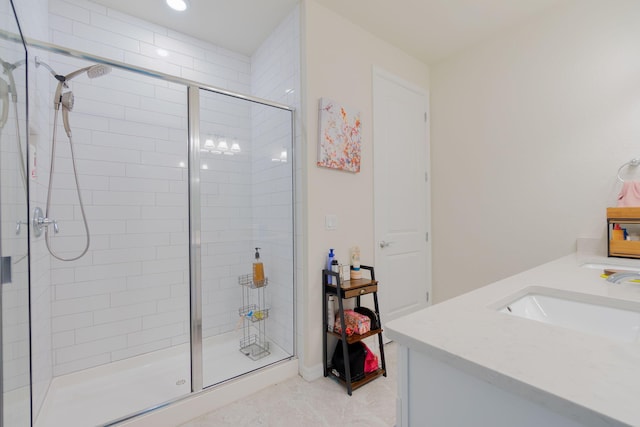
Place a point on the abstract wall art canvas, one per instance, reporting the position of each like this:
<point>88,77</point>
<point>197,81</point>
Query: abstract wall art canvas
<point>339,139</point>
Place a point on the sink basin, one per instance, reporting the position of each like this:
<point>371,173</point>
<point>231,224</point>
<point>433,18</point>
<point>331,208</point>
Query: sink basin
<point>615,319</point>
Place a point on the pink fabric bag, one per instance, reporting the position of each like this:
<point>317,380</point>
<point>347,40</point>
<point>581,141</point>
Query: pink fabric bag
<point>355,323</point>
<point>629,194</point>
<point>370,360</point>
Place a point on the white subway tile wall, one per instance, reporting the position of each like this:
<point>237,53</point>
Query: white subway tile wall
<point>129,294</point>
<point>225,196</point>
<point>276,76</point>
<point>114,297</point>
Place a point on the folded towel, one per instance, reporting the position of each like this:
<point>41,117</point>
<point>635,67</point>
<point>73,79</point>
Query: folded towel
<point>630,194</point>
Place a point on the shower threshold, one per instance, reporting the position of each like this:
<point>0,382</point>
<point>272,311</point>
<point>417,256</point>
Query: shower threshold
<point>97,396</point>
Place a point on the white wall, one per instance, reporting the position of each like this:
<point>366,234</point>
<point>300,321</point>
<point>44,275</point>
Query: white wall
<point>337,63</point>
<point>528,131</point>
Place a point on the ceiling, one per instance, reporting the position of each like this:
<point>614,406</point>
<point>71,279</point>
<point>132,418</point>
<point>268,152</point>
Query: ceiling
<point>429,30</point>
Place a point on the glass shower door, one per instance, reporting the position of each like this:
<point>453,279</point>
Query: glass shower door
<point>15,410</point>
<point>246,202</point>
<point>111,332</point>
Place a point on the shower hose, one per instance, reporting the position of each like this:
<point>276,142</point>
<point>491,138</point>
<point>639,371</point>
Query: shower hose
<point>49,191</point>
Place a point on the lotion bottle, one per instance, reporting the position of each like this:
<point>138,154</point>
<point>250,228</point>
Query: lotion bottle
<point>258,270</point>
<point>335,267</point>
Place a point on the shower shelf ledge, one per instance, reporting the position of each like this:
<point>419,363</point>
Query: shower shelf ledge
<point>247,280</point>
<point>254,347</point>
<point>252,313</point>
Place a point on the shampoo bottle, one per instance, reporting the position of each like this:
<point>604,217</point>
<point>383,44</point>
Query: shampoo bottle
<point>258,270</point>
<point>330,259</point>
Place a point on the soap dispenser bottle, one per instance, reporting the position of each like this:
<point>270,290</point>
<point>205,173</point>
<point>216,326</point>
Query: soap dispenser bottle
<point>258,270</point>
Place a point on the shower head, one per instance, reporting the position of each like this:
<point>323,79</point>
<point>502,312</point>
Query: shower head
<point>98,70</point>
<point>92,71</point>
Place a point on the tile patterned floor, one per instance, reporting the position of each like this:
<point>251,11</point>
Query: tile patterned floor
<point>321,403</point>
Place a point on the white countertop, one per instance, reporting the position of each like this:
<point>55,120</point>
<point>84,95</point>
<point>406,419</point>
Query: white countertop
<point>593,379</point>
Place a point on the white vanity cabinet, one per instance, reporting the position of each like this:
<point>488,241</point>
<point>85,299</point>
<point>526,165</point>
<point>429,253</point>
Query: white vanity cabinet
<point>433,393</point>
<point>465,362</point>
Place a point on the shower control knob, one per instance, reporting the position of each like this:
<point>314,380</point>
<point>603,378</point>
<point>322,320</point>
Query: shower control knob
<point>46,222</point>
<point>39,222</point>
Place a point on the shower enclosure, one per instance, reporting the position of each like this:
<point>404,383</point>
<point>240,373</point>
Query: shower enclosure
<point>175,183</point>
<point>14,279</point>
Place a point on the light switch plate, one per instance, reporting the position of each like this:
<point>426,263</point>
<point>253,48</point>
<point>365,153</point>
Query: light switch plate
<point>331,222</point>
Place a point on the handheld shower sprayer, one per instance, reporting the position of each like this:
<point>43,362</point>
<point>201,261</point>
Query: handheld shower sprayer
<point>67,98</point>
<point>93,71</point>
<point>4,96</point>
<point>66,101</point>
<point>8,88</point>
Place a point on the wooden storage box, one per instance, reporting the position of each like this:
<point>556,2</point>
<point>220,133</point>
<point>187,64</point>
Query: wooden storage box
<point>622,248</point>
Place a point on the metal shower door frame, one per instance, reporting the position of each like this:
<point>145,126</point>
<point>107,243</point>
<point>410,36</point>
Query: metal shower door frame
<point>195,226</point>
<point>195,285</point>
<point>4,275</point>
<point>195,245</point>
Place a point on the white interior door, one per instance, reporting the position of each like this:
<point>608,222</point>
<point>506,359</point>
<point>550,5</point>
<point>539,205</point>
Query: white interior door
<point>401,195</point>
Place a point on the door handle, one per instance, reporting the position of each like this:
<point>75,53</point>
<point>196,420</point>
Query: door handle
<point>384,244</point>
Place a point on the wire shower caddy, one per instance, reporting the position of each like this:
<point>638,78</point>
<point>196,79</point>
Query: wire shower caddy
<point>254,314</point>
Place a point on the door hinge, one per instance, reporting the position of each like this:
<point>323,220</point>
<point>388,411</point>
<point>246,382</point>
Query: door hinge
<point>426,236</point>
<point>427,296</point>
<point>426,177</point>
<point>425,117</point>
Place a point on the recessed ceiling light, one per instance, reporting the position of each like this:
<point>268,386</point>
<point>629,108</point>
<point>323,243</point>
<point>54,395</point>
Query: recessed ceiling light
<point>178,5</point>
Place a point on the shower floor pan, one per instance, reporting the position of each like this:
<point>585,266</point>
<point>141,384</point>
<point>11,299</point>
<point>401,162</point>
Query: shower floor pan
<point>102,394</point>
